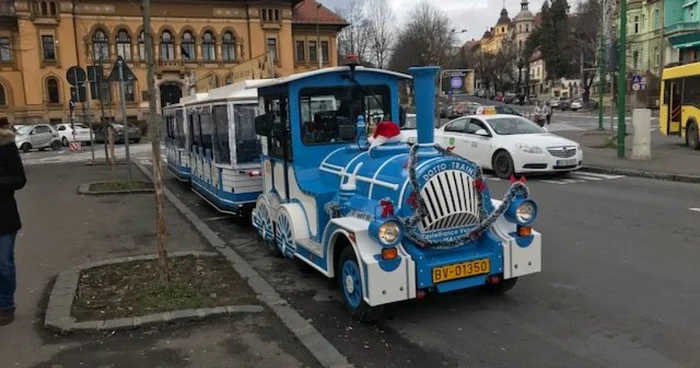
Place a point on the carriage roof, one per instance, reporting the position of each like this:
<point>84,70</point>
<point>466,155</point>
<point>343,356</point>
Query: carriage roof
<point>313,73</point>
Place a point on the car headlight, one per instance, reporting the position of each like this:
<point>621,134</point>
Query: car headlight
<point>528,148</point>
<point>389,232</point>
<point>522,211</point>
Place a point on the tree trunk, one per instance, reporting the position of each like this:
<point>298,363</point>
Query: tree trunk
<point>110,143</point>
<point>154,136</point>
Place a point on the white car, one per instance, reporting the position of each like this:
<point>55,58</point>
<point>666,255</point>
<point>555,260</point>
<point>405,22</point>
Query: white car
<point>509,145</point>
<point>40,136</point>
<point>79,133</point>
<point>576,105</point>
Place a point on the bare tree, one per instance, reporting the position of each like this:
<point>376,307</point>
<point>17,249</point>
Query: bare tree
<point>382,26</point>
<point>585,24</point>
<point>154,135</point>
<point>355,38</point>
<point>427,39</point>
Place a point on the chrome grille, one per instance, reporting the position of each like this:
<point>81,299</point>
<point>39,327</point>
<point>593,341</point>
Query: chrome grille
<point>451,201</point>
<point>562,152</point>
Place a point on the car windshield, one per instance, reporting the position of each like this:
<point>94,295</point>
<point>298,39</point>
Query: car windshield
<point>410,123</point>
<point>81,126</point>
<point>25,129</point>
<point>514,125</point>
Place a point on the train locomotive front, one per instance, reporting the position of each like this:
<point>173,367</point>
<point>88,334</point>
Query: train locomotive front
<point>407,220</point>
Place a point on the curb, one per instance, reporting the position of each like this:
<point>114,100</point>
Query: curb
<point>682,178</point>
<point>310,337</point>
<point>85,189</point>
<point>58,312</point>
<point>102,163</point>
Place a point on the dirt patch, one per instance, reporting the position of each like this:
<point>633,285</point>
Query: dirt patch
<point>133,289</point>
<point>113,186</point>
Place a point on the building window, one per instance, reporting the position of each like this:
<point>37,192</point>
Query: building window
<point>100,46</point>
<point>325,52</point>
<point>129,95</point>
<point>52,8</point>
<point>272,47</point>
<point>228,47</point>
<point>3,96</point>
<point>657,57</point>
<point>527,28</point>
<point>270,15</point>
<point>124,44</point>
<point>142,46</point>
<point>644,21</point>
<point>52,91</point>
<point>313,51</point>
<point>636,24</point>
<point>48,47</point>
<point>208,47</point>
<point>300,51</point>
<point>656,19</point>
<point>44,8</point>
<point>167,46</point>
<point>188,53</point>
<point>635,60</point>
<point>5,49</point>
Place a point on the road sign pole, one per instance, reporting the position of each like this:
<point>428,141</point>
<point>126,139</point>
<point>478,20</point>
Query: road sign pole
<point>122,96</point>
<point>77,97</point>
<point>622,82</point>
<point>86,112</point>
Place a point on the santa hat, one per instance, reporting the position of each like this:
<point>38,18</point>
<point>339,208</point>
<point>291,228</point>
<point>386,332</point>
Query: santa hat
<point>385,132</point>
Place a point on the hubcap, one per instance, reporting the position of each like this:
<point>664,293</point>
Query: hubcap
<point>349,284</point>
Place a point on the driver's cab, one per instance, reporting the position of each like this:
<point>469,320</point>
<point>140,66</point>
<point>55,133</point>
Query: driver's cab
<point>306,117</point>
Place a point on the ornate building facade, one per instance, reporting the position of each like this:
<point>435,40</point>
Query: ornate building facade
<point>198,46</point>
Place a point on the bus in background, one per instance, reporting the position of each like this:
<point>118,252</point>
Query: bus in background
<point>679,110</point>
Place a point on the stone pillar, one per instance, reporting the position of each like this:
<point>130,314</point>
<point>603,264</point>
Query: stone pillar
<point>641,136</point>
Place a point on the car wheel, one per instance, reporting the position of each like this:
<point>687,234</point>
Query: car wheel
<point>55,145</point>
<point>503,165</point>
<point>350,283</point>
<point>26,147</point>
<point>64,141</point>
<point>691,136</point>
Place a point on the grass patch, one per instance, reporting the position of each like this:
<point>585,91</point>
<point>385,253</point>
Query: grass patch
<point>111,186</point>
<point>133,289</point>
<point>609,142</point>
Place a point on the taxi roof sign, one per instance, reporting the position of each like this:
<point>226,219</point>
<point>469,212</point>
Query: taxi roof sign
<point>486,110</point>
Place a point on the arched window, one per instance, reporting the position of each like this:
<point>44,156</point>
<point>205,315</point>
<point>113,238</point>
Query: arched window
<point>142,46</point>
<point>100,46</point>
<point>3,96</point>
<point>188,53</point>
<point>208,47</point>
<point>53,92</point>
<point>52,8</point>
<point>124,44</point>
<point>167,46</point>
<point>44,8</point>
<point>228,47</point>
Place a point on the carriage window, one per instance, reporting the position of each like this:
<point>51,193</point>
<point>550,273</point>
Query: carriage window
<point>207,129</point>
<point>278,108</point>
<point>179,129</point>
<point>247,144</point>
<point>194,124</point>
<point>329,114</point>
<point>222,150</point>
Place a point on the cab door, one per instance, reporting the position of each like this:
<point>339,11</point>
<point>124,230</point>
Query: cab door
<point>455,135</point>
<point>479,144</point>
<point>673,93</point>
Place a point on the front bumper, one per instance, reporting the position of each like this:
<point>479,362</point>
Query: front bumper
<point>546,162</point>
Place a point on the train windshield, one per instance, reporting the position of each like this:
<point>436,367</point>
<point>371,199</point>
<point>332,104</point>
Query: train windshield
<point>329,114</point>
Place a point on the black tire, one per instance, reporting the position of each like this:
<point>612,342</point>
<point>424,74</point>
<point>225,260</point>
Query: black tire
<point>502,287</point>
<point>353,299</point>
<point>55,145</point>
<point>26,147</point>
<point>503,165</point>
<point>64,141</point>
<point>691,136</point>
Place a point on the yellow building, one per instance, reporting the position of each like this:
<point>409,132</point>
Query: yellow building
<point>492,40</point>
<point>198,45</point>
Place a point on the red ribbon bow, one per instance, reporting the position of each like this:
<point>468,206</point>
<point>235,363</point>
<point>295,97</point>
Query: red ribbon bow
<point>521,180</point>
<point>413,200</point>
<point>387,207</point>
<point>479,185</point>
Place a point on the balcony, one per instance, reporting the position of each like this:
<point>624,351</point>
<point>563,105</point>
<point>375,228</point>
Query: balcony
<point>682,27</point>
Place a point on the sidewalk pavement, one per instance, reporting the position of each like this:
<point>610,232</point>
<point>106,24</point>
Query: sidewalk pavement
<point>63,229</point>
<point>670,159</point>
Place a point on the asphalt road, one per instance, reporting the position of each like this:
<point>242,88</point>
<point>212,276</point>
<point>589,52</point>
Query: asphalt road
<point>619,287</point>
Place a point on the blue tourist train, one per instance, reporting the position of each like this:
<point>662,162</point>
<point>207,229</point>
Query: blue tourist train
<point>391,223</point>
<point>212,145</point>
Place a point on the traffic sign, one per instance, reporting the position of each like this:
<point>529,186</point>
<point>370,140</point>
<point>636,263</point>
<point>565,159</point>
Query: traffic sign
<point>125,75</point>
<point>75,75</point>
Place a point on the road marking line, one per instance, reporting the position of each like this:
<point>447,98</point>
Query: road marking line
<point>217,218</point>
<point>552,181</point>
<point>602,176</point>
<point>586,177</point>
<point>694,209</point>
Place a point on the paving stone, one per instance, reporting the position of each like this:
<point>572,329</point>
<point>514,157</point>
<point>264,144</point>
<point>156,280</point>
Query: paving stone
<point>150,319</point>
<point>87,326</point>
<point>119,324</point>
<point>185,314</point>
<point>245,309</point>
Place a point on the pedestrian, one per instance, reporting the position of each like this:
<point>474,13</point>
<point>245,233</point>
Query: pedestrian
<point>548,112</point>
<point>11,179</point>
<point>539,116</point>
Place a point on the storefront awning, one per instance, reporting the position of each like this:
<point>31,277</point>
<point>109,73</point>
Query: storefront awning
<point>685,41</point>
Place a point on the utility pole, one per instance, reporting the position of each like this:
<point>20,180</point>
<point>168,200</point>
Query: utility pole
<point>622,82</point>
<point>154,135</point>
<point>601,64</point>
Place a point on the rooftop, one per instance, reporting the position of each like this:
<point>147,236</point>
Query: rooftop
<point>306,13</point>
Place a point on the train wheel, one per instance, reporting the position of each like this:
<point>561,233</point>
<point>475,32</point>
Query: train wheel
<point>350,282</point>
<point>262,221</point>
<point>284,235</point>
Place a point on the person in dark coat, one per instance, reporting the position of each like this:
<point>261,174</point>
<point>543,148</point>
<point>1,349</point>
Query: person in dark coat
<point>11,179</point>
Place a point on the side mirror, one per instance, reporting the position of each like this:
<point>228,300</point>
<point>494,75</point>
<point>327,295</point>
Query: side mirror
<point>482,133</point>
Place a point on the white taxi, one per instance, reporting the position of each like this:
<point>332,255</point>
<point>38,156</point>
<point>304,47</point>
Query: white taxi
<point>509,144</point>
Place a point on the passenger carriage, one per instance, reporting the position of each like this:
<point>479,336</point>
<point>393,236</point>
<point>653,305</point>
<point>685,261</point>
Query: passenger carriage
<point>392,223</point>
<point>177,155</point>
<point>224,150</point>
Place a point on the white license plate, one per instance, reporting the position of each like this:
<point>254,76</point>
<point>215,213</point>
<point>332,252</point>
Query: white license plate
<point>571,162</point>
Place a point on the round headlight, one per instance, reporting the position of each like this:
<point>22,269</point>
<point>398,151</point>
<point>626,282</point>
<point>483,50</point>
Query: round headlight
<point>389,232</point>
<point>525,212</point>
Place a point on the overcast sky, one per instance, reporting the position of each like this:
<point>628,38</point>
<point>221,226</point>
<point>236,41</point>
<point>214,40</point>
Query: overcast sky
<point>473,15</point>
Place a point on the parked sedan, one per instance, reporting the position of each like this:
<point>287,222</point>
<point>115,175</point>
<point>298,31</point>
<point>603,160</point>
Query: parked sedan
<point>78,133</point>
<point>509,145</point>
<point>40,136</point>
<point>576,105</point>
<point>134,133</point>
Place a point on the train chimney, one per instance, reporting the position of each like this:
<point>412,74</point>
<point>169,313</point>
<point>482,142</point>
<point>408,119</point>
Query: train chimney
<point>424,100</point>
